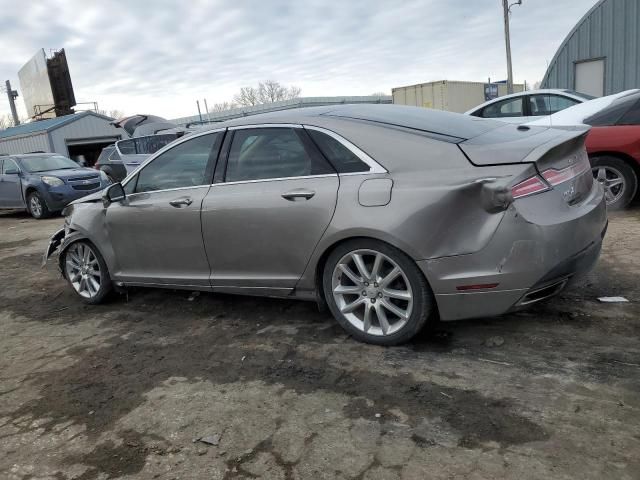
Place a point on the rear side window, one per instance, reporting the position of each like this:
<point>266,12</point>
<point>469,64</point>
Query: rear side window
<point>262,153</point>
<point>549,104</point>
<point>506,108</point>
<point>632,117</point>
<point>188,164</point>
<point>614,113</point>
<point>342,159</point>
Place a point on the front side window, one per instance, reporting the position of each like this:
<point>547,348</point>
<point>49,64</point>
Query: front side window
<point>9,165</point>
<point>506,108</point>
<point>186,165</point>
<point>342,159</point>
<point>549,104</point>
<point>262,153</point>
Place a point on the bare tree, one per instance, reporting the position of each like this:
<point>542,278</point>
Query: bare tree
<point>221,107</point>
<point>268,91</point>
<point>6,121</point>
<point>115,113</point>
<point>247,97</point>
<point>379,94</point>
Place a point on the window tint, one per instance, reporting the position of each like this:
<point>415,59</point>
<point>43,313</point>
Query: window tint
<point>127,147</point>
<point>549,104</point>
<point>632,117</point>
<point>9,165</point>
<point>342,159</point>
<point>145,145</point>
<point>612,114</point>
<point>261,153</point>
<point>506,108</point>
<point>115,156</point>
<point>185,165</point>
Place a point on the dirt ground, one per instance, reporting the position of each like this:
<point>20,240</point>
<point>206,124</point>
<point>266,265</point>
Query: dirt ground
<point>125,389</point>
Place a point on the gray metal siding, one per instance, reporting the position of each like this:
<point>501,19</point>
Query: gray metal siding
<point>610,30</point>
<point>25,144</point>
<point>86,127</point>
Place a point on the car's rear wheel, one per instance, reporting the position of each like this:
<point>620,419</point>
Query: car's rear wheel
<point>618,180</point>
<point>376,292</point>
<point>37,206</point>
<point>86,272</point>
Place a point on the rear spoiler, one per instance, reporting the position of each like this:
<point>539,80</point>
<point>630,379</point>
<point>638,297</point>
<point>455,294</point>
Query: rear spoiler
<point>519,143</point>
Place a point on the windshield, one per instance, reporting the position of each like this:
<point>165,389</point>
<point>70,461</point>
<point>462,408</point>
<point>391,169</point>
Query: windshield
<point>48,162</point>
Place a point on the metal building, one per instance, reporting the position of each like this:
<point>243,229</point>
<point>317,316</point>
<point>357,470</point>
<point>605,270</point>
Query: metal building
<point>450,95</point>
<point>82,134</point>
<point>276,106</point>
<point>601,55</point>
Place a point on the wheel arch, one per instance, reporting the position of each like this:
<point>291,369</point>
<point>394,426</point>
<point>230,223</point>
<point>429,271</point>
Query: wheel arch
<point>626,158</point>
<point>327,250</point>
<point>73,237</point>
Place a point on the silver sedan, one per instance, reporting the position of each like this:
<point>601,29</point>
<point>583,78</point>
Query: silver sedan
<point>391,216</point>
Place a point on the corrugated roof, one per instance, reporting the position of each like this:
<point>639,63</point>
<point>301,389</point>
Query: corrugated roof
<point>41,125</point>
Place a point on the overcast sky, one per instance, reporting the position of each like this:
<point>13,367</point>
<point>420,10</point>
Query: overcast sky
<point>160,56</point>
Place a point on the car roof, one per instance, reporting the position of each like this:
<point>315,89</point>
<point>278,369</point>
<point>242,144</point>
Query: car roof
<point>35,154</point>
<point>446,126</point>
<point>556,91</point>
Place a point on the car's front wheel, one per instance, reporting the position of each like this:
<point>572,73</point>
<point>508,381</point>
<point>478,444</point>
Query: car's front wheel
<point>86,272</point>
<point>37,206</point>
<point>376,292</point>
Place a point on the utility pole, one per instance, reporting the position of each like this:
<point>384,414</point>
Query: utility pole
<point>507,40</point>
<point>199,113</point>
<point>12,94</point>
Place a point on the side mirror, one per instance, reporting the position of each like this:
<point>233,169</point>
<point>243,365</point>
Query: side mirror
<point>113,193</point>
<point>12,171</point>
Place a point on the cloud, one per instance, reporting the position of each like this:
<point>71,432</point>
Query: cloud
<point>159,57</point>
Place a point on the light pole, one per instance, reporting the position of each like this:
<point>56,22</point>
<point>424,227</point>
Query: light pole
<point>507,9</point>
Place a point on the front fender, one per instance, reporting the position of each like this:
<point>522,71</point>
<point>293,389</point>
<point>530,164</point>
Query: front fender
<point>70,238</point>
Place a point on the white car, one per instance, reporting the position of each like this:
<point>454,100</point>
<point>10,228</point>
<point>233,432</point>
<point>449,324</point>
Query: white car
<point>528,105</point>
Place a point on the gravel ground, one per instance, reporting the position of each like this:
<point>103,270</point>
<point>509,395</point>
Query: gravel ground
<point>125,389</point>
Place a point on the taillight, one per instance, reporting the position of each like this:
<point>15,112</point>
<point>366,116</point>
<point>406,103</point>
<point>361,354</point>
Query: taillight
<point>528,187</point>
<point>555,177</point>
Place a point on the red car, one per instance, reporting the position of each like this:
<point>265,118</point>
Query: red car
<point>613,145</point>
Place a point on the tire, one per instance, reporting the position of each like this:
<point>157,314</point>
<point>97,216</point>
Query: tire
<point>349,294</point>
<point>79,268</point>
<point>37,206</point>
<point>607,170</point>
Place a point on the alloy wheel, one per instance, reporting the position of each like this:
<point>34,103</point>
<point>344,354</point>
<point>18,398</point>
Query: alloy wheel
<point>611,180</point>
<point>372,292</point>
<point>83,270</point>
<point>35,206</point>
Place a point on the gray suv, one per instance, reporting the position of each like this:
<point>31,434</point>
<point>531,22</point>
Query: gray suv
<point>44,183</point>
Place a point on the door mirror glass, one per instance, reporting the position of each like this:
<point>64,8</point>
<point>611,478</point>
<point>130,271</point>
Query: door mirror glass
<point>114,193</point>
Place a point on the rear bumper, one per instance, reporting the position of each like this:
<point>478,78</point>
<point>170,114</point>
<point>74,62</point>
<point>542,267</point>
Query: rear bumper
<point>531,257</point>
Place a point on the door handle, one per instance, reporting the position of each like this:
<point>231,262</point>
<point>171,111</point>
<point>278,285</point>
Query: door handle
<point>181,202</point>
<point>298,194</point>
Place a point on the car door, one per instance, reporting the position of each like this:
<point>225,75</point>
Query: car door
<point>10,184</point>
<point>274,197</point>
<point>509,110</point>
<point>155,232</point>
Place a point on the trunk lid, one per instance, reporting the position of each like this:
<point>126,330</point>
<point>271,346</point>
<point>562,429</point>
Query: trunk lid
<point>558,154</point>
